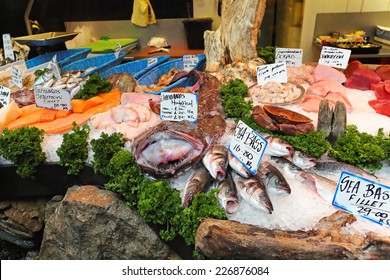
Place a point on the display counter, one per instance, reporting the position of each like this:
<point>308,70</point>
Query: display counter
<point>175,51</point>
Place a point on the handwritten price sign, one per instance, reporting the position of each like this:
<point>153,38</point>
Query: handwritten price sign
<point>179,106</point>
<point>363,197</point>
<point>334,57</point>
<point>190,61</point>
<point>247,146</point>
<point>292,57</point>
<point>276,72</point>
<point>50,98</point>
<point>5,94</point>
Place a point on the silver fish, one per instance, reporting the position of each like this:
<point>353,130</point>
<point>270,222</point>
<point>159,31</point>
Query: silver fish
<point>289,168</point>
<point>303,160</point>
<point>238,167</point>
<point>227,195</point>
<point>254,192</point>
<point>323,186</point>
<point>196,183</point>
<point>216,161</point>
<point>333,170</point>
<point>273,179</point>
<point>278,147</point>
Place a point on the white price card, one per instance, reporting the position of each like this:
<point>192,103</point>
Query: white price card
<point>117,50</point>
<point>334,57</point>
<point>152,60</point>
<point>16,76</point>
<point>247,146</point>
<point>363,197</point>
<point>53,65</point>
<point>292,57</point>
<point>190,61</point>
<point>276,72</point>
<point>179,106</point>
<point>7,46</point>
<point>5,94</point>
<point>58,99</point>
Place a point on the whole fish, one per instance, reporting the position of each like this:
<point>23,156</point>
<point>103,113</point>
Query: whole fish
<point>196,183</point>
<point>216,161</point>
<point>278,147</point>
<point>227,195</point>
<point>320,185</point>
<point>254,192</point>
<point>303,160</point>
<point>273,179</point>
<point>333,170</point>
<point>323,186</point>
<point>159,151</point>
<point>238,166</point>
<point>289,168</point>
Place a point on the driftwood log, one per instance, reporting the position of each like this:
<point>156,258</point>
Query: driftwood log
<point>223,239</point>
<point>236,38</point>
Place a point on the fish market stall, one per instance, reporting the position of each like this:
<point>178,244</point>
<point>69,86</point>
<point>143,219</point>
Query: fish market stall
<point>184,173</point>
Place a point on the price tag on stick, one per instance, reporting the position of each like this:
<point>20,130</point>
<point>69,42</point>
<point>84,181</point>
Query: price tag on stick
<point>190,61</point>
<point>247,146</point>
<point>363,197</point>
<point>7,46</point>
<point>16,76</point>
<point>117,50</point>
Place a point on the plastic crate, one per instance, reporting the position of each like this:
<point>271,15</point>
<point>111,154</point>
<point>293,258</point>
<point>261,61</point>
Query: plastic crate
<point>152,76</point>
<point>63,57</point>
<point>138,67</point>
<point>100,63</point>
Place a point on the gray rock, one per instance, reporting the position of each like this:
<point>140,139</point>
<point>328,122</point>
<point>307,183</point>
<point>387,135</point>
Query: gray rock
<point>91,223</point>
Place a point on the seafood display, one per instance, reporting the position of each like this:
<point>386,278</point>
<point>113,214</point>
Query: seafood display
<point>276,93</point>
<point>198,181</point>
<point>278,119</point>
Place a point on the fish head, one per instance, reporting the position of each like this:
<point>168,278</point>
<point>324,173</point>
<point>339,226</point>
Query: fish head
<point>264,203</point>
<point>169,148</point>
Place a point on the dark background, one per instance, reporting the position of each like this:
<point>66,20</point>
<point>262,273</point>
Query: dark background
<point>51,14</point>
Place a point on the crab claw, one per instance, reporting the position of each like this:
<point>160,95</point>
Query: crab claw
<point>262,119</point>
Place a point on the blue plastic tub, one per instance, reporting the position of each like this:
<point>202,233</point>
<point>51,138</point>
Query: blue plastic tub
<point>152,76</point>
<point>137,67</point>
<point>100,63</point>
<point>63,57</point>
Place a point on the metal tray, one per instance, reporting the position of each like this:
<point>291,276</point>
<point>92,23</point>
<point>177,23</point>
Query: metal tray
<point>358,47</point>
<point>45,39</point>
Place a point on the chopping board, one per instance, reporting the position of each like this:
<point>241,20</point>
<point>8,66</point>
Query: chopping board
<point>105,46</point>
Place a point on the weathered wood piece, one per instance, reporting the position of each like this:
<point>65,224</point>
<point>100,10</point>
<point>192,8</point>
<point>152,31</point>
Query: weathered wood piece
<point>339,124</point>
<point>236,38</point>
<point>325,114</point>
<point>224,239</point>
<point>332,121</point>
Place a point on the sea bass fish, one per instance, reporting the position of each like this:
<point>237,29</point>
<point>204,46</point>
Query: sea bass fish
<point>169,148</point>
<point>278,147</point>
<point>227,195</point>
<point>238,166</point>
<point>333,170</point>
<point>320,185</point>
<point>303,160</point>
<point>216,161</point>
<point>254,192</point>
<point>273,179</point>
<point>295,172</point>
<point>199,179</point>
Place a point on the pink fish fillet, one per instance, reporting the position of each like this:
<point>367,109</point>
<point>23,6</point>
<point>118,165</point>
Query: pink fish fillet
<point>325,72</point>
<point>311,103</point>
<point>333,97</point>
<point>323,87</point>
<point>133,97</point>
